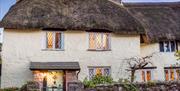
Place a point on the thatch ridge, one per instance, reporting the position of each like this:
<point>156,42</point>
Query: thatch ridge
<point>159,19</point>
<point>71,14</point>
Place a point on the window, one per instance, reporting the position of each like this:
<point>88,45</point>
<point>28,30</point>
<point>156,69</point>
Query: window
<point>168,46</point>
<point>99,41</point>
<point>146,75</point>
<point>54,40</point>
<point>103,71</point>
<point>172,74</point>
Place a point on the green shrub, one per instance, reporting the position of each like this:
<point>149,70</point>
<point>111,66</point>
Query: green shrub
<point>10,89</point>
<point>30,86</point>
<point>97,80</point>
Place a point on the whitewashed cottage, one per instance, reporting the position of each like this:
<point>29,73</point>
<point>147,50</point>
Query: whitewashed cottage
<point>59,41</point>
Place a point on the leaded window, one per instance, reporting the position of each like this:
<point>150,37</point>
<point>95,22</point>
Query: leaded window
<point>101,71</point>
<point>99,41</point>
<point>54,40</point>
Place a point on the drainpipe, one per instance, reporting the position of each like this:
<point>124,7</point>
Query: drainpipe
<point>78,73</point>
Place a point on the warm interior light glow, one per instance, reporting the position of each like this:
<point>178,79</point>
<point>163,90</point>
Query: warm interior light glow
<point>54,78</point>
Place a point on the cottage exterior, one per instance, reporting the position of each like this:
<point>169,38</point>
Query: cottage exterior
<point>59,41</point>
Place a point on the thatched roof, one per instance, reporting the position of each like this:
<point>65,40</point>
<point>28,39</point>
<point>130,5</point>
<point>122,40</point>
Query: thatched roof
<point>160,20</point>
<point>71,14</point>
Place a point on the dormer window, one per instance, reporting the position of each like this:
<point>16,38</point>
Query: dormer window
<point>54,40</point>
<point>168,46</point>
<point>99,41</point>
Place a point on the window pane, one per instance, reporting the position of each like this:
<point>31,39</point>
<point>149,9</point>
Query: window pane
<point>167,75</point>
<point>172,74</point>
<point>58,40</point>
<point>143,76</point>
<point>148,75</point>
<point>177,74</point>
<point>172,46</point>
<point>91,73</point>
<point>105,41</point>
<point>49,39</point>
<point>161,45</point>
<point>92,40</point>
<point>98,41</point>
<point>99,71</point>
<point>166,46</point>
<point>106,72</point>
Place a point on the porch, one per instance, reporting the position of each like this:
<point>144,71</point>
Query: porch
<point>54,76</point>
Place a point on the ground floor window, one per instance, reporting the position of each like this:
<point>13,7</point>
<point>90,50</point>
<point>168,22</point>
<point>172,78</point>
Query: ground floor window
<point>104,71</point>
<point>146,75</point>
<point>172,74</point>
<point>49,80</point>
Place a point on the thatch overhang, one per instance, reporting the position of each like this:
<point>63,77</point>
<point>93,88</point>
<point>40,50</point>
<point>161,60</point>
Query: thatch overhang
<point>160,21</point>
<point>71,15</point>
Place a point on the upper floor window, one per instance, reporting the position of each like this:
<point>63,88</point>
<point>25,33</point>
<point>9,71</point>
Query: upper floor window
<point>172,74</point>
<point>102,71</point>
<point>99,41</point>
<point>54,40</point>
<point>168,46</point>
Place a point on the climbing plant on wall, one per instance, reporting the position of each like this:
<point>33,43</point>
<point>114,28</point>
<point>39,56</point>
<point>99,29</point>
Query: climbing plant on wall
<point>178,55</point>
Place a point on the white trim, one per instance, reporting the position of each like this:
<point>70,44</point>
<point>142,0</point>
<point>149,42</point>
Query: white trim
<point>54,37</point>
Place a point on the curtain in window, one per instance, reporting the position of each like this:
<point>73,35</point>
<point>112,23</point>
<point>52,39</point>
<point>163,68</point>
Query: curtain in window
<point>166,75</point>
<point>143,76</point>
<point>148,75</point>
<point>58,40</point>
<point>172,74</point>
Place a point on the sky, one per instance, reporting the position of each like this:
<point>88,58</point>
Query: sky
<point>6,4</point>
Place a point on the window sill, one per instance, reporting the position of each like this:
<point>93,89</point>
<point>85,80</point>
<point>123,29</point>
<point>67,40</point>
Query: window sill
<point>52,49</point>
<point>99,50</point>
<point>167,52</point>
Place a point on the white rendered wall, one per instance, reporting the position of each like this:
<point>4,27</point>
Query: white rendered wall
<point>159,59</point>
<point>20,48</point>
